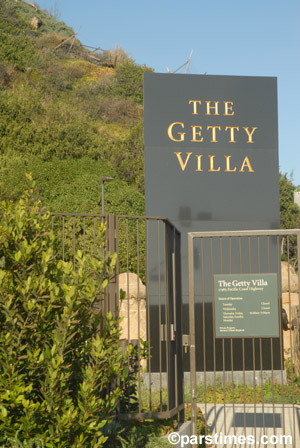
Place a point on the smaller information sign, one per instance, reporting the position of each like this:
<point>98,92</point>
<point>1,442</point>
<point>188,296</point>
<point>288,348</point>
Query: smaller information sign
<point>246,305</point>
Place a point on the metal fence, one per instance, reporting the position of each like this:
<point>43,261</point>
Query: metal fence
<point>155,332</point>
<point>248,386</point>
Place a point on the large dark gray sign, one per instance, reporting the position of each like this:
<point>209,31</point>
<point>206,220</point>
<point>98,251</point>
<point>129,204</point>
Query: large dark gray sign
<point>211,156</point>
<point>211,161</point>
<point>246,305</point>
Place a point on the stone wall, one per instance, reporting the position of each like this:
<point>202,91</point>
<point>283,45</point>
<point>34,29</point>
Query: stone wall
<point>133,307</point>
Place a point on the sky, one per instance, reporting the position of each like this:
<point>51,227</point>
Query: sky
<point>228,37</point>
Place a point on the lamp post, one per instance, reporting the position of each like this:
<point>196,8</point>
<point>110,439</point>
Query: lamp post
<point>104,179</point>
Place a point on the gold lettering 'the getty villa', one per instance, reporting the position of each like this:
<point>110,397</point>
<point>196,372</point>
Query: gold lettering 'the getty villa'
<point>197,134</point>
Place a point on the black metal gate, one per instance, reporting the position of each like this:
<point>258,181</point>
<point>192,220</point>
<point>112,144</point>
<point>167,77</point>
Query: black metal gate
<point>248,388</point>
<point>154,330</point>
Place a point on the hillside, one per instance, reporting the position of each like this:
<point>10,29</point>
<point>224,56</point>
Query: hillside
<point>68,114</point>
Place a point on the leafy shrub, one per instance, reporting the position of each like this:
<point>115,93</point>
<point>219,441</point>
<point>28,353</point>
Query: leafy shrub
<point>115,110</point>
<point>129,81</point>
<point>99,88</point>
<point>84,70</point>
<point>6,74</point>
<point>289,218</point>
<point>70,185</point>
<point>46,131</point>
<point>146,434</point>
<point>56,369</point>
<point>16,46</point>
<point>290,212</point>
<point>127,156</point>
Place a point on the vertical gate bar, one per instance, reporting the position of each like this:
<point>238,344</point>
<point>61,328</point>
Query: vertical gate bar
<point>127,276</point>
<point>115,282</point>
<point>110,248</point>
<point>179,308</point>
<point>260,346</point>
<point>192,335</point>
<point>260,339</point>
<point>148,314</point>
<point>243,343</point>
<point>63,238</point>
<point>95,235</point>
<point>214,329</point>
<point>240,254</point>
<point>232,384</point>
<point>254,384</point>
<point>231,345</point>
<point>262,384</point>
<point>175,320</point>
<point>271,346</point>
<point>108,225</point>
<point>230,255</point>
<point>203,329</point>
<point>280,333</point>
<point>159,316</point>
<point>223,343</point>
<point>244,384</point>
<point>292,360</point>
<point>224,383</point>
<point>63,244</point>
<point>221,254</point>
<point>273,400</point>
<point>253,344</point>
<point>223,346</point>
<point>298,261</point>
<point>52,222</point>
<point>74,243</point>
<point>298,266</point>
<point>289,289</point>
<point>167,317</point>
<point>139,308</point>
<point>117,291</point>
<point>84,236</point>
<point>117,268</point>
<point>128,304</point>
<point>258,254</point>
<point>268,253</point>
<point>249,254</point>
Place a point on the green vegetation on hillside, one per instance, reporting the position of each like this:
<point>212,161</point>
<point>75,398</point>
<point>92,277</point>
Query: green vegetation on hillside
<point>71,185</point>
<point>68,115</point>
<point>289,211</point>
<point>48,23</point>
<point>289,218</point>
